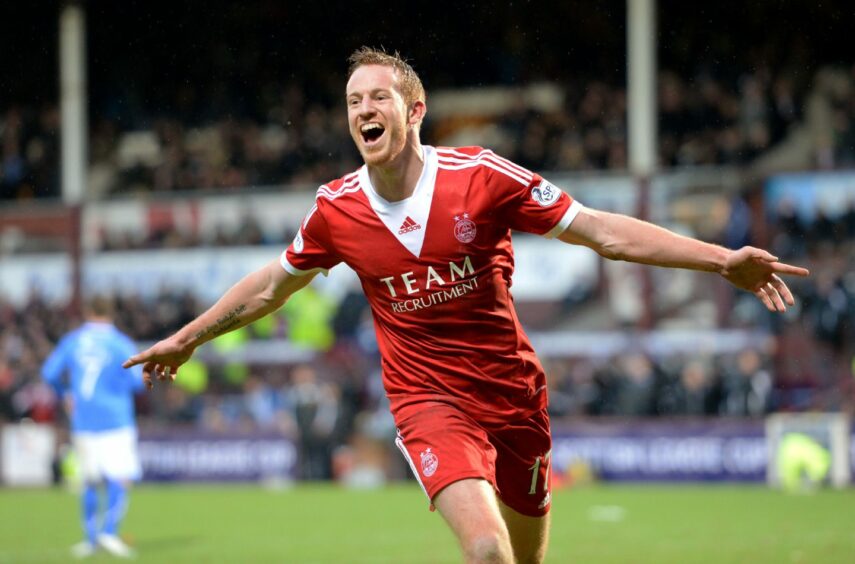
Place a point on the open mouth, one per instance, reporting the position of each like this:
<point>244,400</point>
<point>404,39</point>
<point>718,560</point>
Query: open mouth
<point>371,132</point>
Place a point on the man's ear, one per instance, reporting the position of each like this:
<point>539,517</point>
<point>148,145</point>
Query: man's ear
<point>417,113</point>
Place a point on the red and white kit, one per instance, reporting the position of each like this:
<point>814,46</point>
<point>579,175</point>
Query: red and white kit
<point>436,269</point>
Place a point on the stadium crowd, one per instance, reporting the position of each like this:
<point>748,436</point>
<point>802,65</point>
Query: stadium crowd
<point>326,402</point>
<point>224,113</point>
<point>630,384</point>
<point>298,142</point>
<point>197,137</point>
<point>334,397</point>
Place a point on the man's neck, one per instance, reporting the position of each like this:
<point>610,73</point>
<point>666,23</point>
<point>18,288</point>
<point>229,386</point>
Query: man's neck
<point>397,181</point>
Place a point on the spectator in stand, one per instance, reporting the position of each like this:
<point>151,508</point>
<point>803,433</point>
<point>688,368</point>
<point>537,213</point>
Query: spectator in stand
<point>689,393</point>
<point>785,108</point>
<point>316,412</point>
<point>746,386</point>
<point>822,235</point>
<point>827,307</point>
<point>29,153</point>
<point>637,384</point>
<point>790,237</point>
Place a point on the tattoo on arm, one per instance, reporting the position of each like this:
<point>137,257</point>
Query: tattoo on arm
<point>224,324</point>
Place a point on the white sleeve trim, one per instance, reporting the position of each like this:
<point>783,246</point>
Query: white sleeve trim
<point>565,221</point>
<point>291,269</point>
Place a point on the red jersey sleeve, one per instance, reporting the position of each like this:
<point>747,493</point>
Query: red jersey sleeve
<point>312,248</point>
<point>528,202</point>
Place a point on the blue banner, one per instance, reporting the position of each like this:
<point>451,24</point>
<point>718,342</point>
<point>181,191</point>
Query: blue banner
<point>808,192</point>
<point>668,451</point>
<point>202,457</point>
<point>628,450</point>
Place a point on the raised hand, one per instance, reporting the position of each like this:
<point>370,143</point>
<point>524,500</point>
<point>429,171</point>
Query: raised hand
<point>161,360</point>
<point>757,271</point>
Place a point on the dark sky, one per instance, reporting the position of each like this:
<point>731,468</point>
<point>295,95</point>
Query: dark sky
<point>151,49</point>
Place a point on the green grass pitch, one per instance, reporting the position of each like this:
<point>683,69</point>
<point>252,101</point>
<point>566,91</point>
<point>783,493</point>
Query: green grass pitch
<point>325,523</point>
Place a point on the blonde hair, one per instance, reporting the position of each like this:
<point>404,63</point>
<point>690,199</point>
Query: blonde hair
<point>411,85</point>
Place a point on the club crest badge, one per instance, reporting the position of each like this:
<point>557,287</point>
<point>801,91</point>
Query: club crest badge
<point>298,242</point>
<point>464,228</point>
<point>430,462</point>
<point>545,194</point>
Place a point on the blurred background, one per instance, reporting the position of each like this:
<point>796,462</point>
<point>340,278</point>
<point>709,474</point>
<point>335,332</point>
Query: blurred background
<point>157,152</point>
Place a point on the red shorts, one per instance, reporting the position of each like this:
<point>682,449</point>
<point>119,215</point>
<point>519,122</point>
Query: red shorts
<point>444,445</point>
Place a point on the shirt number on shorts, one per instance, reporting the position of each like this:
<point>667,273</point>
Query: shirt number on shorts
<point>535,471</point>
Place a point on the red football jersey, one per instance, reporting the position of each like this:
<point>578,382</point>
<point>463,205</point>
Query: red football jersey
<point>436,269</point>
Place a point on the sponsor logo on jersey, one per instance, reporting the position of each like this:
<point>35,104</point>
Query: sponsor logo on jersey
<point>545,194</point>
<point>464,228</point>
<point>408,226</point>
<point>456,272</point>
<point>430,463</point>
<point>298,242</point>
<point>443,286</point>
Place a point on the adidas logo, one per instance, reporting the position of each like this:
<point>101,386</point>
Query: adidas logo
<point>408,225</point>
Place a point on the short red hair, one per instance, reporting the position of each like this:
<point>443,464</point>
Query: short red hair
<point>411,85</point>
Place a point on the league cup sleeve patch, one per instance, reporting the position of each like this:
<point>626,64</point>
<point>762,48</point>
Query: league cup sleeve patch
<point>545,194</point>
<point>298,242</point>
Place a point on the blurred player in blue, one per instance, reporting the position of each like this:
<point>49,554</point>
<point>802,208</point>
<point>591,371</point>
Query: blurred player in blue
<point>86,370</point>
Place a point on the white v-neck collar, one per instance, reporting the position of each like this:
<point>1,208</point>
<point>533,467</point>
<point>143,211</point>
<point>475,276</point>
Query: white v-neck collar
<point>406,219</point>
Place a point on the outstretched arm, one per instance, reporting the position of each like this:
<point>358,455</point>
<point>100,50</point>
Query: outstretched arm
<point>255,296</point>
<point>620,237</point>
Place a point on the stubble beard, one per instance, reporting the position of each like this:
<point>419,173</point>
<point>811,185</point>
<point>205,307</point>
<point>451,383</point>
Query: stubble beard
<point>387,152</point>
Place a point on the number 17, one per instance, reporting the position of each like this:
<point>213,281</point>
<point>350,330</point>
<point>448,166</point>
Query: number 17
<point>535,470</point>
